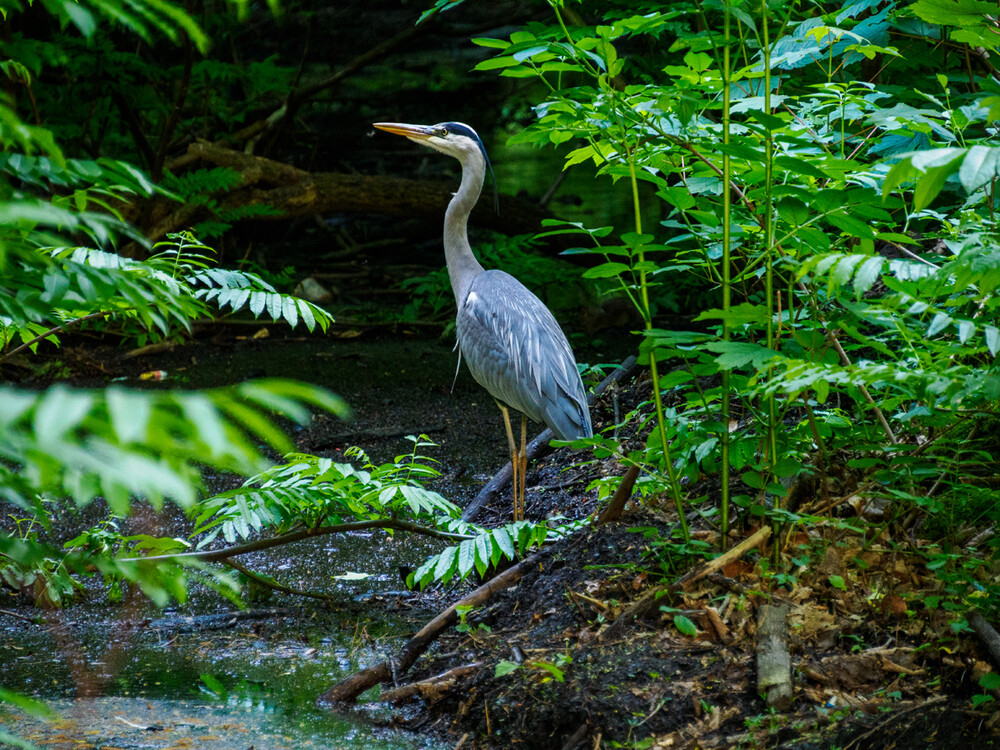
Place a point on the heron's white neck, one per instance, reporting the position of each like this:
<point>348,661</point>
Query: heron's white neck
<point>462,264</point>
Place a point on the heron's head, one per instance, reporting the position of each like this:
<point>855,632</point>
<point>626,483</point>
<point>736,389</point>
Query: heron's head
<point>453,138</point>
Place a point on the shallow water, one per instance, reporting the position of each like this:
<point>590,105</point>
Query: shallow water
<point>150,684</point>
<point>128,675</point>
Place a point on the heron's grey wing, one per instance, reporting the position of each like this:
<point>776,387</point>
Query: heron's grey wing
<point>516,350</point>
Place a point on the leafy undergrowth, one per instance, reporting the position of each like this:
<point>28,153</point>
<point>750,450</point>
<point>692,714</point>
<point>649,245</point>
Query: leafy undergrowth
<point>871,667</point>
<point>881,653</point>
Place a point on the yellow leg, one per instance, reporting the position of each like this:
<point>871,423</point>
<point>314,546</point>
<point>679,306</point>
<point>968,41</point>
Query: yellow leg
<point>522,459</point>
<point>515,463</point>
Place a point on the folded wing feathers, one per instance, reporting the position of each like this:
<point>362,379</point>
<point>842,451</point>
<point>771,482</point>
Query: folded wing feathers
<point>516,350</point>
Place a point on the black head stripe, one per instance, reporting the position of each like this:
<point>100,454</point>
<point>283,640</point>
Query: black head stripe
<point>458,128</point>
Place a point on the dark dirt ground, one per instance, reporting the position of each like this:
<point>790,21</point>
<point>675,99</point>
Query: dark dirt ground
<point>870,671</point>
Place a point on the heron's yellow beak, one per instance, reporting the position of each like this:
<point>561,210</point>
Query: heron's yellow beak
<point>413,132</point>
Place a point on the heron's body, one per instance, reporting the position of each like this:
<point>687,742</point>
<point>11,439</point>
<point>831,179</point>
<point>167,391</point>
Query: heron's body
<point>534,373</point>
<point>510,341</point>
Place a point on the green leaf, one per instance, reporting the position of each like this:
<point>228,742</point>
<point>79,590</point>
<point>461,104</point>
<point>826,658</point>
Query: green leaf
<point>847,223</point>
<point>979,166</point>
<point>953,12</point>
<point>552,669</point>
<point>990,681</point>
<point>992,339</point>
<point>496,63</point>
<point>868,273</point>
<point>504,542</point>
<point>735,354</point>
<point>838,582</point>
<point>742,314</point>
<point>504,668</point>
<point>938,324</point>
<point>685,626</point>
<point>446,564</point>
<point>606,271</point>
<point>466,557</point>
<point>491,43</point>
<point>26,704</point>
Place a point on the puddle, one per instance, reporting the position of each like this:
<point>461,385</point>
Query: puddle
<point>120,722</point>
<point>149,684</point>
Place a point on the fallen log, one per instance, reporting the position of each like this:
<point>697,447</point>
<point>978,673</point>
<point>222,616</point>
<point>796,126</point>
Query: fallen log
<point>774,663</point>
<point>987,634</point>
<point>540,445</point>
<point>430,689</point>
<point>356,684</point>
<point>288,192</point>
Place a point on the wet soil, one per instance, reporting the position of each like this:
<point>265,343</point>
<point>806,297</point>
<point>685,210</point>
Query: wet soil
<point>866,674</point>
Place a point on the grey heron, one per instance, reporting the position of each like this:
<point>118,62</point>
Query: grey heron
<point>509,339</point>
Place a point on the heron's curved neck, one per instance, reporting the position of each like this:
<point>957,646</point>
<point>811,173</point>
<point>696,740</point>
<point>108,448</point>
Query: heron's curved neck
<point>462,264</point>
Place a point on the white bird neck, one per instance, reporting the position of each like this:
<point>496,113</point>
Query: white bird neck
<point>462,264</point>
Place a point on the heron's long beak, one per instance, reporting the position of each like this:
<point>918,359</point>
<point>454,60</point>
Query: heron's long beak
<point>413,132</point>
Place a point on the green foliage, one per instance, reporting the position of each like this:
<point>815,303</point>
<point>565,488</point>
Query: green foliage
<point>310,492</point>
<point>486,548</point>
<point>200,186</point>
<point>118,442</point>
<point>151,299</point>
<point>542,671</point>
<point>847,224</point>
<point>313,493</point>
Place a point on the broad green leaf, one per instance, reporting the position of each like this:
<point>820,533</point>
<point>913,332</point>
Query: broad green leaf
<point>685,626</point>
<point>26,704</point>
<point>741,314</point>
<point>992,339</point>
<point>979,166</point>
<point>735,354</point>
<point>868,273</point>
<point>938,324</point>
<point>504,542</point>
<point>504,668</point>
<point>849,224</point>
<point>446,563</point>
<point>60,411</point>
<point>466,557</point>
<point>953,12</point>
<point>606,271</point>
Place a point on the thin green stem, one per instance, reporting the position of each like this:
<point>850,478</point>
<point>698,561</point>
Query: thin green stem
<point>653,370</point>
<point>727,287</point>
<point>53,331</point>
<point>770,407</point>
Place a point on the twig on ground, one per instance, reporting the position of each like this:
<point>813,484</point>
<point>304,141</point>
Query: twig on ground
<point>274,585</point>
<point>215,555</point>
<point>617,505</point>
<point>647,602</point>
<point>353,686</point>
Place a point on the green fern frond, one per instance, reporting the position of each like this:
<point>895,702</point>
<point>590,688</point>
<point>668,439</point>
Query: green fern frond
<point>200,184</point>
<point>487,548</point>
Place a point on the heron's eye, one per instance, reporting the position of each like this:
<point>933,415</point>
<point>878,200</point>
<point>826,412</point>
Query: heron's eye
<point>441,132</point>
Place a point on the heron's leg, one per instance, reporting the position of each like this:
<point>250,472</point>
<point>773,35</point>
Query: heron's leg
<point>522,459</point>
<point>515,462</point>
